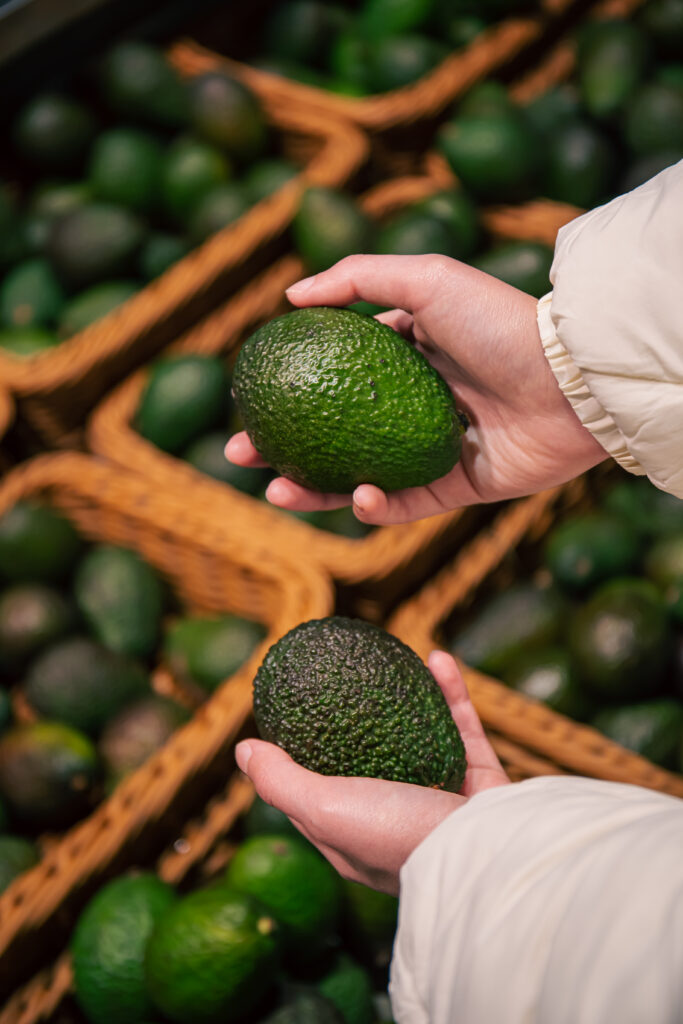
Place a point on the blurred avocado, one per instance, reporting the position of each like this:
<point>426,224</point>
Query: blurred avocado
<point>662,20</point>
<point>303,31</point>
<point>30,295</point>
<point>37,545</point>
<point>32,616</point>
<point>220,206</point>
<point>553,109</point>
<point>349,58</point>
<point>125,168</point>
<point>412,233</point>
<point>653,119</point>
<point>486,99</point>
<point>263,819</point>
<point>191,168</point>
<point>138,82</point>
<point>397,61</point>
<point>612,60</point>
<point>652,729</point>
<point>228,115</point>
<point>138,731</point>
<point>159,252</point>
<point>51,200</point>
<point>266,177</point>
<point>580,164</point>
<point>458,212</point>
<point>380,18</point>
<point>94,242</point>
<point>184,397</point>
<point>26,342</point>
<point>207,651</point>
<point>91,305</point>
<point>549,676</point>
<point>589,548</point>
<point>647,509</point>
<point>53,132</point>
<point>207,454</point>
<point>328,226</point>
<point>16,856</point>
<point>524,265</point>
<point>495,156</point>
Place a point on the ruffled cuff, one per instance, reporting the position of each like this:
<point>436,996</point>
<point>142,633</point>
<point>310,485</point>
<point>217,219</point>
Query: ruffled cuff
<point>576,391</point>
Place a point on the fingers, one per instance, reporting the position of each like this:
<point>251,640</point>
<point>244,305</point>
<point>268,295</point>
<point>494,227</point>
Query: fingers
<point>278,779</point>
<point>372,505</point>
<point>481,757</point>
<point>241,451</point>
<point>286,494</point>
<point>404,282</point>
<point>399,321</point>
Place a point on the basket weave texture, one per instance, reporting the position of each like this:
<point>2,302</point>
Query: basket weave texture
<point>56,388</point>
<point>419,621</point>
<point>210,570</point>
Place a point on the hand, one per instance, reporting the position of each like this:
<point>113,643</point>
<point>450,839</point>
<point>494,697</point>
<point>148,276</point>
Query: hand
<point>482,337</point>
<point>367,828</point>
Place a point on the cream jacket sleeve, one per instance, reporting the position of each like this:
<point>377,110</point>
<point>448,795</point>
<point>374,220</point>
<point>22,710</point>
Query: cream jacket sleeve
<point>552,901</point>
<point>612,328</point>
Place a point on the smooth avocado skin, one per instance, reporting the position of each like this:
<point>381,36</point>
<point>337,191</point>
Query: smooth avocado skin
<point>343,697</point>
<point>612,61</point>
<point>328,226</point>
<point>94,242</point>
<point>621,640</point>
<point>53,132</point>
<point>348,986</point>
<point>332,399</point>
<point>305,1007</point>
<point>588,549</point>
<point>37,544</point>
<point>184,397</point>
<point>92,304</point>
<point>580,164</point>
<point>494,155</point>
<point>25,342</point>
<point>207,455</point>
<point>137,731</point>
<point>16,855</point>
<point>652,729</point>
<point>415,234</point>
<point>31,617</point>
<point>30,295</point>
<point>549,676</point>
<point>206,652</point>
<point>228,115</point>
<point>523,265</point>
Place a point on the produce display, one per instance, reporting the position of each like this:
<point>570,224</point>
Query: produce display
<point>597,631</point>
<point>109,194</point>
<point>276,938</point>
<point>371,46</point>
<point>81,628</point>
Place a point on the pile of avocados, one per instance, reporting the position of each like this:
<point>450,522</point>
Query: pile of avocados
<point>117,188</point>
<point>597,631</point>
<point>371,46</point>
<point>614,125</point>
<point>81,629</point>
<point>276,938</point>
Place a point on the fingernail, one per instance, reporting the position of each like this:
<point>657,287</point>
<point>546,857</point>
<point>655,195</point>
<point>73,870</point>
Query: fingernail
<point>358,505</point>
<point>301,286</point>
<point>243,754</point>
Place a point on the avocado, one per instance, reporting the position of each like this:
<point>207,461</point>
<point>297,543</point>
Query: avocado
<point>621,640</point>
<point>670,74</point>
<point>662,20</point>
<point>397,61</point>
<point>47,774</point>
<point>590,548</point>
<point>348,986</point>
<point>653,119</point>
<point>381,18</point>
<point>302,31</point>
<point>191,168</point>
<point>138,82</point>
<point>664,561</point>
<point>206,652</point>
<point>553,109</point>
<point>207,454</point>
<point>125,168</point>
<point>30,295</point>
<point>456,210</point>
<point>328,226</point>
<point>412,233</point>
<point>93,242</point>
<point>138,731</point>
<point>343,697</point>
<point>82,683</point>
<point>121,599</point>
<point>160,251</point>
<point>51,200</point>
<point>370,922</point>
<point>343,522</point>
<point>646,167</point>
<point>262,819</point>
<point>305,1007</point>
<point>25,342</point>
<point>227,114</point>
<point>652,729</point>
<point>108,949</point>
<point>184,397</point>
<point>349,58</point>
<point>53,132</point>
<point>37,545</point>
<point>220,206</point>
<point>650,511</point>
<point>495,156</point>
<point>612,61</point>
<point>32,616</point>
<point>462,30</point>
<point>266,177</point>
<point>16,856</point>
<point>305,382</point>
<point>524,265</point>
<point>580,164</point>
<point>549,676</point>
<point>486,99</point>
<point>521,618</point>
<point>91,305</point>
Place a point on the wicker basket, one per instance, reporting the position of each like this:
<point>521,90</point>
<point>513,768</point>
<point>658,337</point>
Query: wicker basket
<point>210,569</point>
<point>54,390</point>
<point>485,565</point>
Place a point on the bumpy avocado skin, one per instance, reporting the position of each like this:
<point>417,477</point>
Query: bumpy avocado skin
<point>343,697</point>
<point>332,399</point>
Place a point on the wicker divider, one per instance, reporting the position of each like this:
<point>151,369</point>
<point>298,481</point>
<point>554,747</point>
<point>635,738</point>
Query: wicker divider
<point>534,726</point>
<point>384,562</point>
<point>209,569</point>
<point>56,388</point>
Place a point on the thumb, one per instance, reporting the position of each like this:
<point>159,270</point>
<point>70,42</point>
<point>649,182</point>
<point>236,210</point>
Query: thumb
<point>403,282</point>
<point>277,779</point>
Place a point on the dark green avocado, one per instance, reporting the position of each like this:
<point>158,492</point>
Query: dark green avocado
<point>343,697</point>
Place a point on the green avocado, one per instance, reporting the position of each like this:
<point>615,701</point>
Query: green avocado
<point>228,115</point>
<point>159,252</point>
<point>456,210</point>
<point>549,676</point>
<point>138,82</point>
<point>370,921</point>
<point>207,454</point>
<point>349,57</point>
<point>94,242</point>
<point>30,295</point>
<point>590,548</point>
<point>266,177</point>
<point>621,640</point>
<point>303,31</point>
<point>47,774</point>
<point>16,856</point>
<point>462,30</point>
<point>332,399</point>
<point>650,511</point>
<point>32,616</point>
<point>51,200</point>
<point>412,233</point>
<point>380,18</point>
<point>580,164</point>
<point>25,342</point>
<point>121,599</point>
<point>613,57</point>
<point>191,168</point>
<point>343,697</point>
<point>125,168</point>
<point>348,986</point>
<point>184,397</point>
<point>653,119</point>
<point>495,156</point>
<point>91,305</point>
<point>137,732</point>
<point>664,560</point>
<point>263,819</point>
<point>82,683</point>
<point>553,109</point>
<point>305,1007</point>
<point>524,265</point>
<point>37,545</point>
<point>206,652</point>
<point>220,206</point>
<point>486,99</point>
<point>662,20</point>
<point>397,61</point>
<point>328,226</point>
<point>521,618</point>
<point>53,132</point>
<point>108,949</point>
<point>652,729</point>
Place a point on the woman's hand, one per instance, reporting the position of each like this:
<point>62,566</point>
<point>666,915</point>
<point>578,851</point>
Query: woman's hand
<point>367,828</point>
<point>482,337</point>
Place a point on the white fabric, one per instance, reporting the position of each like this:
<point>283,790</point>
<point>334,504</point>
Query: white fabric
<point>612,328</point>
<point>553,901</point>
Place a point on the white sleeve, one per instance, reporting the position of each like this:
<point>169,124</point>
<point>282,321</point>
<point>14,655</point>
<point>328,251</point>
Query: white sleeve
<point>612,328</point>
<point>552,901</point>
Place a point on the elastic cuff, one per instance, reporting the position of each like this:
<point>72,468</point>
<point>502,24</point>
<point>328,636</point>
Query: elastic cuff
<point>574,388</point>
